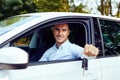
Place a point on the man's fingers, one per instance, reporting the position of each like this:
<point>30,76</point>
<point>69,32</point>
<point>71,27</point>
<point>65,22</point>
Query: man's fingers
<point>91,50</point>
<point>86,49</point>
<point>96,51</point>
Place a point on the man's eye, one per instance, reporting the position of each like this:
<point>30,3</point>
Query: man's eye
<point>64,30</point>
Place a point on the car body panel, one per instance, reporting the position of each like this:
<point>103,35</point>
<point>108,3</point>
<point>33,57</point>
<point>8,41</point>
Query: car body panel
<point>110,67</point>
<point>103,68</point>
<point>57,71</point>
<point>41,18</point>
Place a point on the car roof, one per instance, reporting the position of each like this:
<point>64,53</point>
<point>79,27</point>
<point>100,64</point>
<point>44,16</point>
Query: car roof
<point>42,16</point>
<point>59,14</point>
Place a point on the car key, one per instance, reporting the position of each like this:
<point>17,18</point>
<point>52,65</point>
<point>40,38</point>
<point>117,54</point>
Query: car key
<point>84,65</point>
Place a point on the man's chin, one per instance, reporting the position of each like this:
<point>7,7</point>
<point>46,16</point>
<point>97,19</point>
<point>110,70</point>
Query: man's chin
<point>60,41</point>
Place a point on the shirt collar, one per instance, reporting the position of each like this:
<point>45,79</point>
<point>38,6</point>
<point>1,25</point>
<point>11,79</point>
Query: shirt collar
<point>62,45</point>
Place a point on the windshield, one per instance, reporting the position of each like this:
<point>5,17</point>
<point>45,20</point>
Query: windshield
<point>13,22</point>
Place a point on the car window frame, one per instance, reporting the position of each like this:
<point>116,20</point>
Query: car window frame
<point>68,19</point>
<point>102,40</point>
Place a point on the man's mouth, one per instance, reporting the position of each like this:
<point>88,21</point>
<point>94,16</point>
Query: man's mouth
<point>59,37</point>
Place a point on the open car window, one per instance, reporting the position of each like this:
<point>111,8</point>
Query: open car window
<point>46,39</point>
<point>38,41</point>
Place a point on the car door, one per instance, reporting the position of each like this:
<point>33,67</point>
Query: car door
<point>59,70</point>
<point>110,68</point>
<point>111,60</point>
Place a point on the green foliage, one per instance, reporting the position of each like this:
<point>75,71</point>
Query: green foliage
<point>80,9</point>
<point>9,7</point>
<point>106,8</point>
<point>16,7</point>
<point>50,5</point>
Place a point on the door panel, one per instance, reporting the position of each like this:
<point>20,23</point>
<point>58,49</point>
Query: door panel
<point>58,71</point>
<point>94,70</point>
<point>111,68</point>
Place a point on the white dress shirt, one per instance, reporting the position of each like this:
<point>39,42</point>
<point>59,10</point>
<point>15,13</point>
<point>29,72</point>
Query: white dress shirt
<point>66,51</point>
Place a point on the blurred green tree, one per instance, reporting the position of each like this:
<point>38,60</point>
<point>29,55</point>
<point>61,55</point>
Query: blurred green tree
<point>106,8</point>
<point>16,7</point>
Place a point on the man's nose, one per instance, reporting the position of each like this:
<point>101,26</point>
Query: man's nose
<point>60,32</point>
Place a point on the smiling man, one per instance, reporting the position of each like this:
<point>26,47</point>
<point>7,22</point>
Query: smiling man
<point>64,49</point>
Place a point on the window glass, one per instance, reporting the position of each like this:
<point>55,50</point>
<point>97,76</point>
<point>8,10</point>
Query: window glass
<point>111,36</point>
<point>23,41</point>
<point>13,22</point>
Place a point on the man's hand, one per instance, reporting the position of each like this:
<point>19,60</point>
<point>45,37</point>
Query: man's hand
<point>91,50</point>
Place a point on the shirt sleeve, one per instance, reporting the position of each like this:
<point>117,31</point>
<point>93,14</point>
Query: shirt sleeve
<point>78,51</point>
<point>44,57</point>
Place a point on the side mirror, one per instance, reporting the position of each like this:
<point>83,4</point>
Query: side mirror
<point>13,58</point>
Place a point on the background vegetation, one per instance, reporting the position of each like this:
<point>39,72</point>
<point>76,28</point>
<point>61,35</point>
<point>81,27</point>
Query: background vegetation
<point>16,7</point>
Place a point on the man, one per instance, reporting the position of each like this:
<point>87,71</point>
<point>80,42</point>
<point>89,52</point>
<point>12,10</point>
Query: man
<point>64,49</point>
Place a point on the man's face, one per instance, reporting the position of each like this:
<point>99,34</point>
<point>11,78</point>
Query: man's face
<point>61,32</point>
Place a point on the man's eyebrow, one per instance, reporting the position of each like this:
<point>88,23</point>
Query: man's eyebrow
<point>55,28</point>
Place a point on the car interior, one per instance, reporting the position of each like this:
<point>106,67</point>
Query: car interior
<point>42,39</point>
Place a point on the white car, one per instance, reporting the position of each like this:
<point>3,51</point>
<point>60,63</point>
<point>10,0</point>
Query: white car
<point>25,38</point>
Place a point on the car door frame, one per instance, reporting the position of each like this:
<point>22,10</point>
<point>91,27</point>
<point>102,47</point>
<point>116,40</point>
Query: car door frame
<point>109,71</point>
<point>88,40</point>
